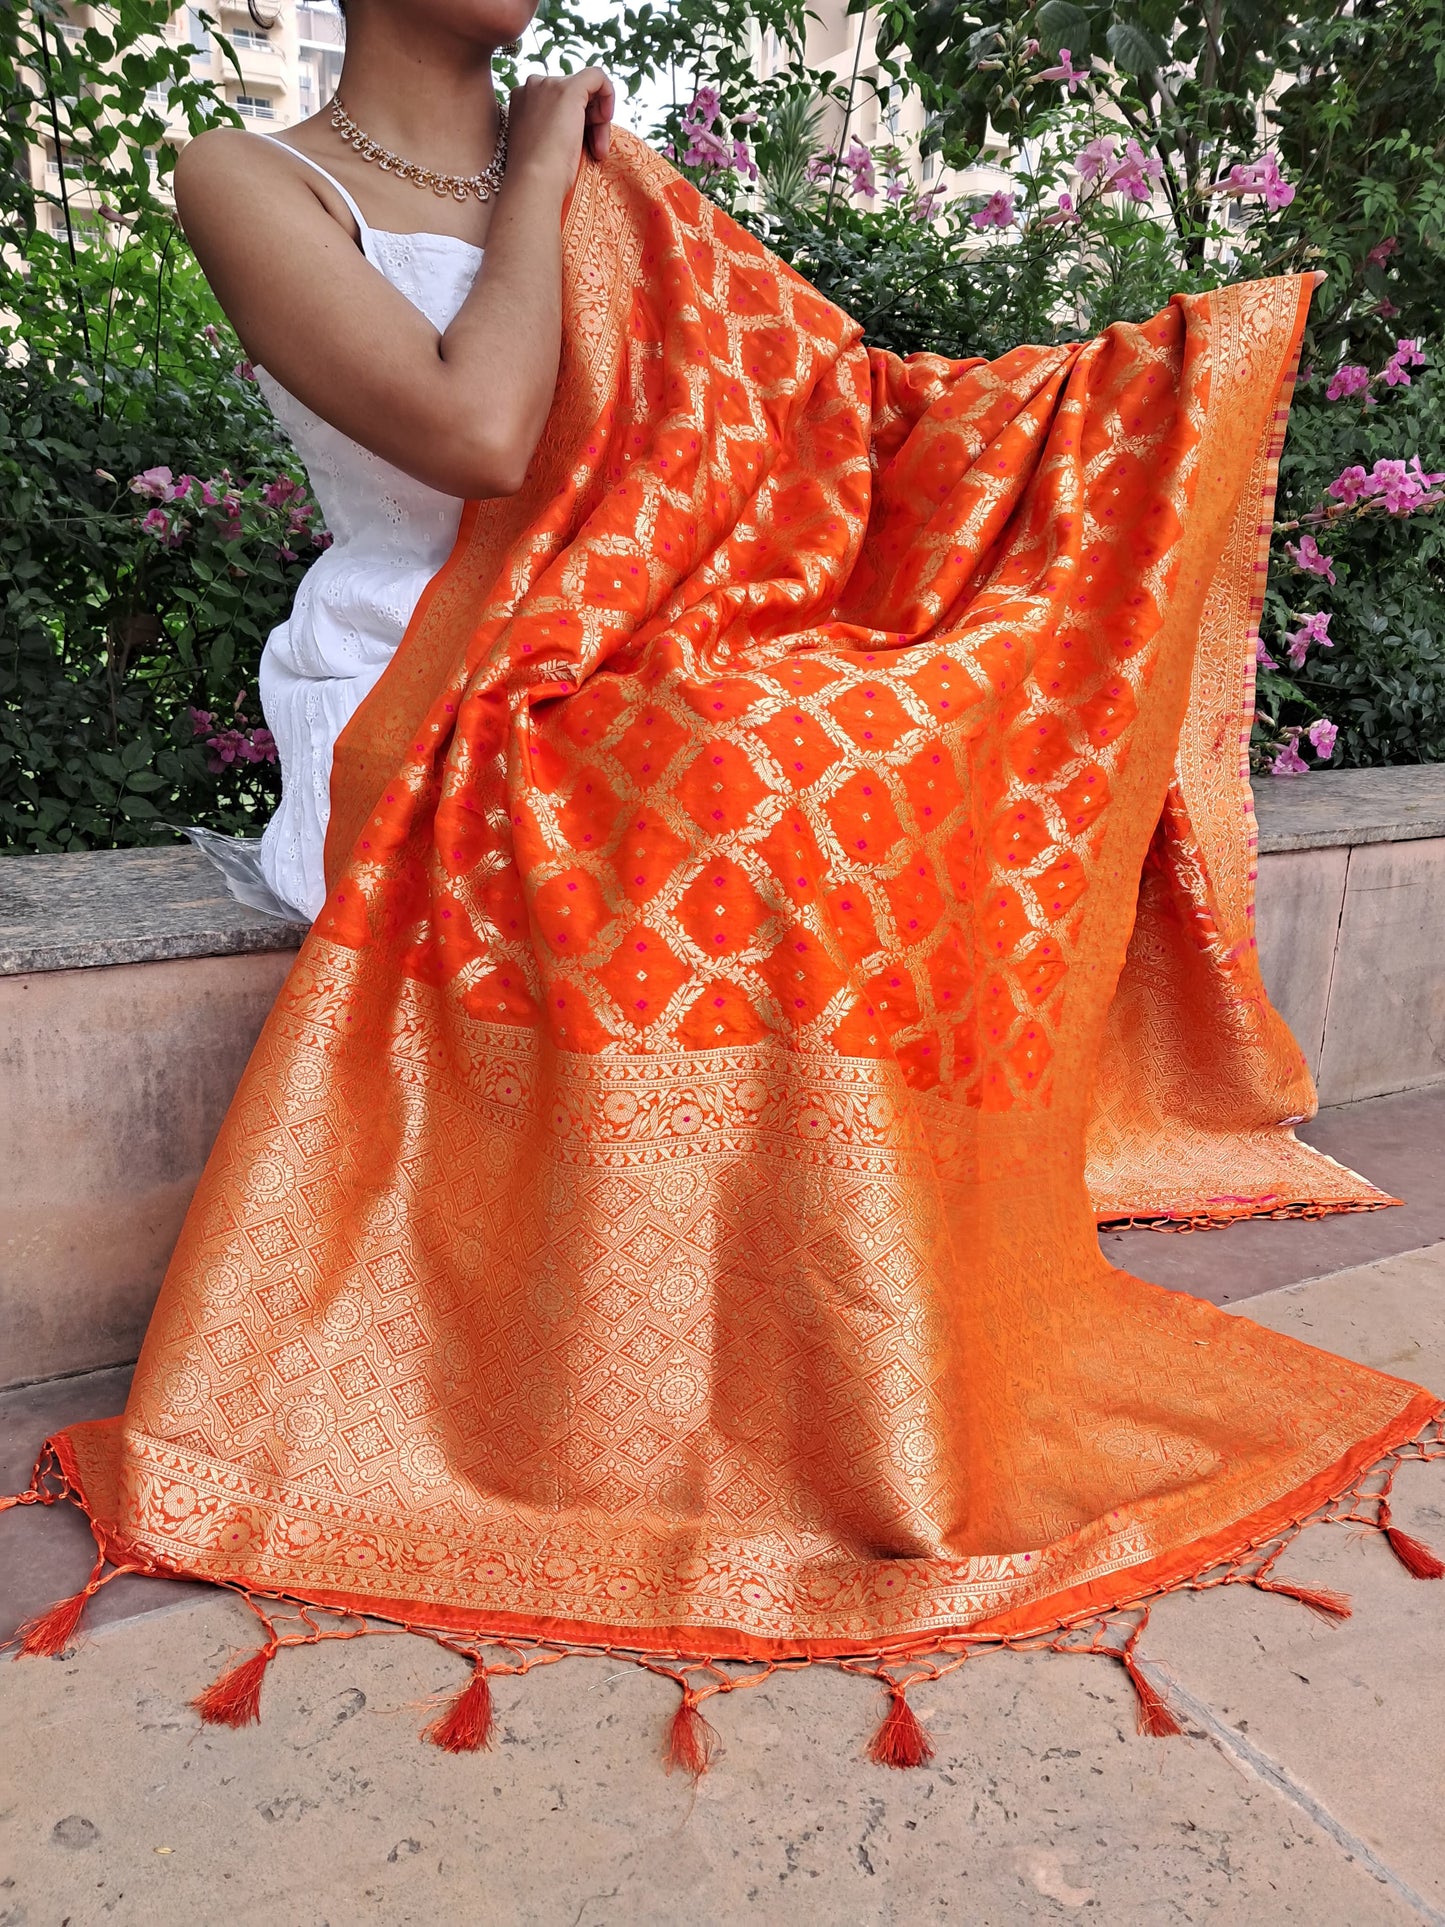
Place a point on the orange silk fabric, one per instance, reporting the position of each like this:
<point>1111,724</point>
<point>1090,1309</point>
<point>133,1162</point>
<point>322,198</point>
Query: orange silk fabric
<point>656,1210</point>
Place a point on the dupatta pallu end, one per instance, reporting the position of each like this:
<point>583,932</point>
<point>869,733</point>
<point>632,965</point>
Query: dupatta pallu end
<point>655,1216</point>
<point>1200,1082</point>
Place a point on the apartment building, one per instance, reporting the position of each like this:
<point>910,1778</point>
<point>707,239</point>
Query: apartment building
<point>290,59</point>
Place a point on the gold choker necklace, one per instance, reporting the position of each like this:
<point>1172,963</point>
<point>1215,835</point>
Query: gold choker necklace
<point>459,186</point>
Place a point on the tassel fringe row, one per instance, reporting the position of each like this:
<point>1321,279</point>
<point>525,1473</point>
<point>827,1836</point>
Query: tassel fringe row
<point>467,1722</point>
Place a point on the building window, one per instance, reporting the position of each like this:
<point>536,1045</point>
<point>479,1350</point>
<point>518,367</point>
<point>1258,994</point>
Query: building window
<point>255,107</point>
<point>245,37</point>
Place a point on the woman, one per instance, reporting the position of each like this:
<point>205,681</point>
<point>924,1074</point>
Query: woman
<point>413,370</point>
<point>792,824</point>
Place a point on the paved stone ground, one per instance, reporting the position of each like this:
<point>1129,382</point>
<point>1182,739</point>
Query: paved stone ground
<point>1307,1790</point>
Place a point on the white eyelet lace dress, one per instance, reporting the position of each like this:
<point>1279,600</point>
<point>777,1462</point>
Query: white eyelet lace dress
<point>391,534</point>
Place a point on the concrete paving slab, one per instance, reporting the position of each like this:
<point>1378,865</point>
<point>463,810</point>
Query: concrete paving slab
<point>1043,1804</point>
<point>1397,1142</point>
<point>1356,1711</point>
<point>48,1550</point>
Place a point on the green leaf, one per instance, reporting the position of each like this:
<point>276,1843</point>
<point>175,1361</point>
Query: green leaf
<point>1133,50</point>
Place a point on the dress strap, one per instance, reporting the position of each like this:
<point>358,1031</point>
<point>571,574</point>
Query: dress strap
<point>363,225</point>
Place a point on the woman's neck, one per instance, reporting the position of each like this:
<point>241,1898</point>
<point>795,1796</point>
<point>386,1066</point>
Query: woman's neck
<point>424,93</point>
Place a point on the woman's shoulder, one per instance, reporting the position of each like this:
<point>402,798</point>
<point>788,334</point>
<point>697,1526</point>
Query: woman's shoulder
<point>219,169</point>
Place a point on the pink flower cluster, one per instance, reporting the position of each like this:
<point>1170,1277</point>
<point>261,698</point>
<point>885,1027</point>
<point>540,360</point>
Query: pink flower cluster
<point>1353,378</point>
<point>997,211</point>
<point>1320,735</point>
<point>858,164</point>
<point>1395,373</point>
<point>707,148</point>
<point>1133,173</point>
<point>1306,555</point>
<point>1350,378</point>
<point>1261,177</point>
<point>1397,487</point>
<point>170,527</point>
<point>235,742</point>
<point>1312,629</point>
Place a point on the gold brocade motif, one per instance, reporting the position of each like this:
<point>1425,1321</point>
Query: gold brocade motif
<point>656,1211</point>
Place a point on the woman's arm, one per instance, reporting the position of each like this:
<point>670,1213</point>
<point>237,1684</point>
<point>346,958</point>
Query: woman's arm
<point>461,411</point>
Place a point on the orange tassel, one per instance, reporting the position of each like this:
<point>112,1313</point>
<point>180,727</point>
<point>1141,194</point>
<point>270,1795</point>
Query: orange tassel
<point>691,1741</point>
<point>1416,1557</point>
<point>1157,1717</point>
<point>235,1698</point>
<point>48,1634</point>
<point>466,1726</point>
<point>1319,1599</point>
<point>900,1740</point>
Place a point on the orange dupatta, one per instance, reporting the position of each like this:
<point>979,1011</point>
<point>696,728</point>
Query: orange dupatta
<point>655,1214</point>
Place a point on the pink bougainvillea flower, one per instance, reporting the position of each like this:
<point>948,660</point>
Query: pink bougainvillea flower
<point>155,482</point>
<point>1093,160</point>
<point>202,720</point>
<point>1395,373</point>
<point>208,494</point>
<point>1322,736</point>
<point>1287,759</point>
<point>323,538</point>
<point>1386,309</point>
<point>156,522</point>
<point>1305,554</point>
<point>997,211</point>
<point>212,334</point>
<point>1380,253</point>
<point>1064,215</point>
<point>278,493</point>
<point>244,370</point>
<point>1350,379</point>
<point>1262,658</point>
<point>1073,77</point>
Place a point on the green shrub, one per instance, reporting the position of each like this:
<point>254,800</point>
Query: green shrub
<point>131,623</point>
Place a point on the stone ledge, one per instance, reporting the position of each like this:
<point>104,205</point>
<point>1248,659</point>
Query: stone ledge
<point>154,906</point>
<point>124,907</point>
<point>1332,807</point>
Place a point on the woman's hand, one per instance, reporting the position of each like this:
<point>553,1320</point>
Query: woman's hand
<point>552,122</point>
